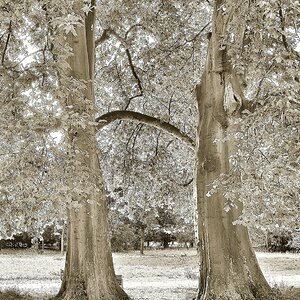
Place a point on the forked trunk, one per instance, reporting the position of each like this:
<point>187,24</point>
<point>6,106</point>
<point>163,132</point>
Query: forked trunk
<point>228,266</point>
<point>89,272</point>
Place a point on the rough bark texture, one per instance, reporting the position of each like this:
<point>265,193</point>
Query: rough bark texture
<point>89,272</point>
<point>228,266</point>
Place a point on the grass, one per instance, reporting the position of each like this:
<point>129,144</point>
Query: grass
<point>291,294</point>
<point>286,293</point>
<point>14,295</point>
<point>160,275</point>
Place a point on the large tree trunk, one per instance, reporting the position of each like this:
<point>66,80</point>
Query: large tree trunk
<point>89,272</point>
<point>228,266</point>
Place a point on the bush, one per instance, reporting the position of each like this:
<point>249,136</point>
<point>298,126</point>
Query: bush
<point>20,240</point>
<point>279,240</point>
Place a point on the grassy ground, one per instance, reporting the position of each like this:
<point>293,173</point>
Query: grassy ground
<point>290,294</point>
<point>14,295</point>
<point>159,275</point>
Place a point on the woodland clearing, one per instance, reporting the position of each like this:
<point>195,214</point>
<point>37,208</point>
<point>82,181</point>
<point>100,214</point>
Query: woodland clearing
<point>159,274</point>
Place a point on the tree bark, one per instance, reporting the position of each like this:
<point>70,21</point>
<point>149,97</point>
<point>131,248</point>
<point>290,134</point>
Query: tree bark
<point>89,272</point>
<point>228,266</point>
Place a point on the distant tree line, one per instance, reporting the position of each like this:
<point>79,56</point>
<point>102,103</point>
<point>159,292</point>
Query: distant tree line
<point>161,228</point>
<point>166,230</point>
<point>49,239</point>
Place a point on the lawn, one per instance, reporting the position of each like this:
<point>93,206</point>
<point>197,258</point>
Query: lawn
<point>159,274</point>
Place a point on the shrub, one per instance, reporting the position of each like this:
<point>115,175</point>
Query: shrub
<point>20,240</point>
<point>279,240</point>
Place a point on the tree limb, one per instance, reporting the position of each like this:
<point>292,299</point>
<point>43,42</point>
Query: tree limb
<point>187,183</point>
<point>6,43</point>
<point>110,117</point>
<point>106,34</point>
<point>102,38</point>
<point>287,47</point>
<point>110,32</point>
<point>135,75</point>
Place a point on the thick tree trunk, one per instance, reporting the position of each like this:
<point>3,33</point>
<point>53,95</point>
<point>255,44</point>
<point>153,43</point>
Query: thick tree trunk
<point>228,266</point>
<point>89,272</point>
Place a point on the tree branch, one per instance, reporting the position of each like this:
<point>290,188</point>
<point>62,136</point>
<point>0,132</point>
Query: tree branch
<point>187,183</point>
<point>135,75</point>
<point>106,34</point>
<point>287,47</point>
<point>6,43</point>
<point>110,117</point>
<point>110,32</point>
<point>102,38</point>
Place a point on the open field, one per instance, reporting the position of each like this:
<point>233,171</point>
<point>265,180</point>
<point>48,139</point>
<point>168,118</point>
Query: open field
<point>159,274</point>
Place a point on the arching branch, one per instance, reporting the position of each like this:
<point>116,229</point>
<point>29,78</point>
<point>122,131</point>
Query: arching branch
<point>110,117</point>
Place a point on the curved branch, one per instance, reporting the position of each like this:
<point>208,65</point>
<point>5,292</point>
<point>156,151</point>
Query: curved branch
<point>187,183</point>
<point>110,117</point>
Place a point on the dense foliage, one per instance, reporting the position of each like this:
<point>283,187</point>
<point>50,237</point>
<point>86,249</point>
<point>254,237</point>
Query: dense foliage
<point>149,57</point>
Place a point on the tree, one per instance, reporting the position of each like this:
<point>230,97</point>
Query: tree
<point>140,56</point>
<point>89,272</point>
<point>228,266</point>
<point>166,221</point>
<point>266,156</point>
